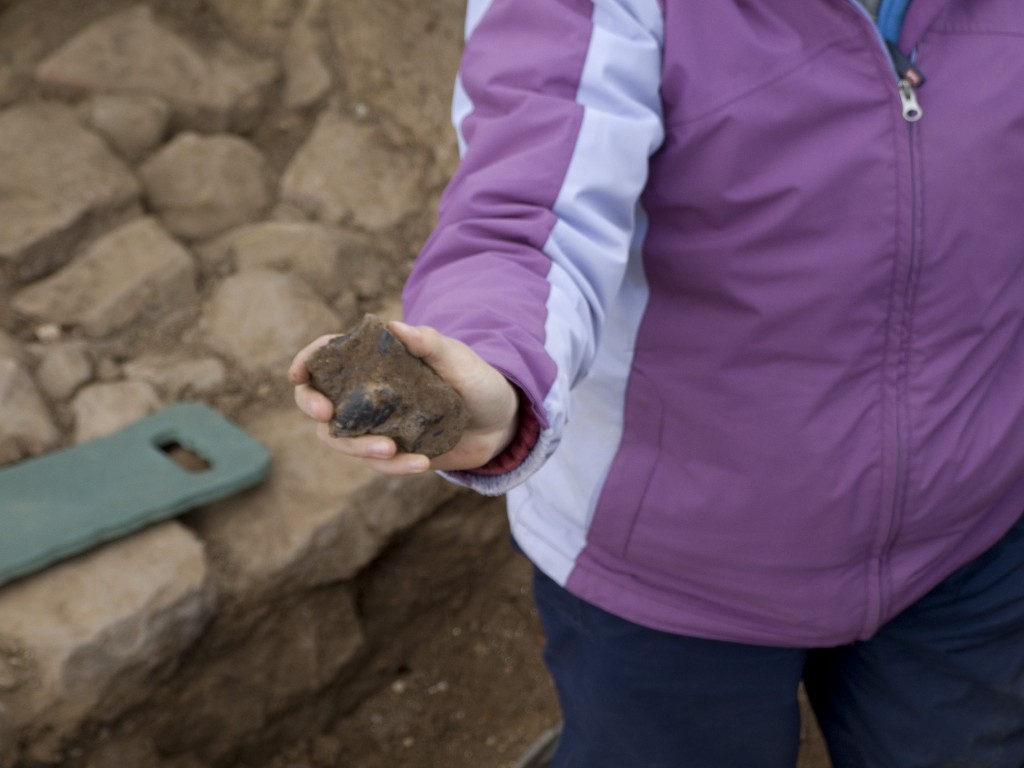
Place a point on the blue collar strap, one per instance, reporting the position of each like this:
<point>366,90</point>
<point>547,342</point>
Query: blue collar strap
<point>890,18</point>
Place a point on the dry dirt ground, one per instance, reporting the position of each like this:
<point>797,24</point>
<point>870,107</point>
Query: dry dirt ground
<point>470,690</point>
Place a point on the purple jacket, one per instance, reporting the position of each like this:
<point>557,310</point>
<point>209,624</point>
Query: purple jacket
<point>773,331</point>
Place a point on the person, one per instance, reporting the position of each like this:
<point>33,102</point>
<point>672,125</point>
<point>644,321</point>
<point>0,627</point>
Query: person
<point>734,292</point>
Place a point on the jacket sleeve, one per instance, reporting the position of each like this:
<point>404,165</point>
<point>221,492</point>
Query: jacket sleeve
<point>557,110</point>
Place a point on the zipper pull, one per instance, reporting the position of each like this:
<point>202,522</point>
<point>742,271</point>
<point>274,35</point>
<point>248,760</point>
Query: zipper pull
<point>910,78</point>
<point>911,108</point>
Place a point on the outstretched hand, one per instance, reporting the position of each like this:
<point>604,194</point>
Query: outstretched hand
<point>490,399</point>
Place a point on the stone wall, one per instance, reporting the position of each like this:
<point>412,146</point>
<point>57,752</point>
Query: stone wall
<point>191,191</point>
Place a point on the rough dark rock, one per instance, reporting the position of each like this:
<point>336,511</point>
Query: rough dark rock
<point>379,388</point>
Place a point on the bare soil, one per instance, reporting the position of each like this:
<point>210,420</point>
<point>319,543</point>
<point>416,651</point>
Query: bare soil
<point>470,689</point>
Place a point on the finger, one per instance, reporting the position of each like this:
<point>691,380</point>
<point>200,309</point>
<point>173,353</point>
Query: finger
<point>314,404</point>
<point>402,464</point>
<point>472,451</point>
<point>449,357</point>
<point>297,371</point>
<point>410,336</point>
<point>363,447</point>
<point>376,452</point>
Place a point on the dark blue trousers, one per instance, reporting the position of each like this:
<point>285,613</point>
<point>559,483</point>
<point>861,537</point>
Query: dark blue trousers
<point>940,686</point>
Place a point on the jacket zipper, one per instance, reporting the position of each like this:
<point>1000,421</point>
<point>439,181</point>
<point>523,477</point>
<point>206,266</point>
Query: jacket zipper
<point>911,109</point>
<point>908,78</point>
<point>907,289</point>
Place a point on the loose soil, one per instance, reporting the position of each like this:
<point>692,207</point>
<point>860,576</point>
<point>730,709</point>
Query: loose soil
<point>471,689</point>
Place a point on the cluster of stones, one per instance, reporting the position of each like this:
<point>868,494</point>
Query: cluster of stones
<point>158,244</point>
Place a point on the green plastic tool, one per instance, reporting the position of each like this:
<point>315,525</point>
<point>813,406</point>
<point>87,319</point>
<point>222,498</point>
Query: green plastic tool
<point>71,500</point>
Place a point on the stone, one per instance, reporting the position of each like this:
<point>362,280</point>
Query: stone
<point>48,332</point>
<point>108,369</point>
<point>11,347</point>
<point>260,319</point>
<point>374,278</point>
<point>379,388</point>
<point>104,408</point>
<point>117,752</point>
<point>257,23</point>
<point>201,186</point>
<point>213,89</point>
<point>345,173</point>
<point>15,666</point>
<point>297,649</point>
<point>327,258</point>
<point>63,368</point>
<point>133,124</point>
<point>421,43</point>
<point>320,517</point>
<point>98,631</point>
<point>27,427</point>
<point>8,754</point>
<point>58,179</point>
<point>135,270</point>
<point>307,77</point>
<point>8,90</point>
<point>175,375</point>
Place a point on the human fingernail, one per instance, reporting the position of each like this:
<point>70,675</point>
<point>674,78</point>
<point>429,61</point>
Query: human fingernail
<point>418,463</point>
<point>380,450</point>
<point>403,328</point>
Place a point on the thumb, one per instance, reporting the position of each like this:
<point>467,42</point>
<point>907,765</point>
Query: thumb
<point>491,400</point>
<point>446,356</point>
<point>483,387</point>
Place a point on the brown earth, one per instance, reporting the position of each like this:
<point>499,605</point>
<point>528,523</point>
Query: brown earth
<point>469,689</point>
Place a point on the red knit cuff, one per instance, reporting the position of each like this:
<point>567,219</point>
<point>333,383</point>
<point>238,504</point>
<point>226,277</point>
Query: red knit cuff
<point>520,447</point>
